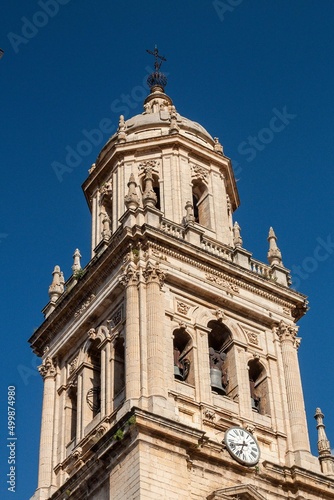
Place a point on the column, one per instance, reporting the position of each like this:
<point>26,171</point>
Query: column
<point>298,426</point>
<point>155,331</point>
<point>132,347</point>
<point>48,372</point>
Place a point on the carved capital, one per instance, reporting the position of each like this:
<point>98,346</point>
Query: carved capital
<point>287,333</point>
<point>153,274</point>
<point>47,368</point>
<point>130,275</point>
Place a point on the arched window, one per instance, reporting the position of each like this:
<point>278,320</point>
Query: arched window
<point>156,189</point>
<point>201,203</point>
<point>93,396</point>
<point>222,366</point>
<point>72,412</point>
<point>183,356</point>
<point>119,371</point>
<point>258,386</point>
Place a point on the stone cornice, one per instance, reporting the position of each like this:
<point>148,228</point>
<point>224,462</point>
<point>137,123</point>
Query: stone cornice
<point>233,282</point>
<point>298,477</point>
<point>231,276</point>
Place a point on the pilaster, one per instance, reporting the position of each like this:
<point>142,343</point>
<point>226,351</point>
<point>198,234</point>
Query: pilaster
<point>48,372</point>
<point>132,347</point>
<point>289,344</point>
<point>155,335</point>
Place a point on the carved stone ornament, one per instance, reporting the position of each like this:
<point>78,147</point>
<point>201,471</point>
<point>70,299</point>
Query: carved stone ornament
<point>146,166</point>
<point>153,274</point>
<point>73,364</point>
<point>106,189</point>
<point>130,275</point>
<point>199,172</point>
<point>182,325</point>
<point>250,428</point>
<point>102,429</point>
<point>182,308</point>
<point>116,317</point>
<point>222,282</point>
<point>84,306</point>
<point>288,333</point>
<point>47,368</point>
<point>209,414</point>
<point>252,337</point>
<point>220,315</point>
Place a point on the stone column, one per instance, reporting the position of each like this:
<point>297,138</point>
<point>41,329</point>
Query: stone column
<point>297,418</point>
<point>48,372</point>
<point>155,333</point>
<point>132,347</point>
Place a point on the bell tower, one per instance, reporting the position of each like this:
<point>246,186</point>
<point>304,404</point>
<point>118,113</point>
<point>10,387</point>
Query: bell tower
<point>170,360</point>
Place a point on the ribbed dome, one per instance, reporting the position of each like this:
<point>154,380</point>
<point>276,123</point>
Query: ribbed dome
<point>158,124</point>
<point>159,119</point>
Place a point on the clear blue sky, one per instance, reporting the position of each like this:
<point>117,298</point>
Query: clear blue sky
<point>233,69</point>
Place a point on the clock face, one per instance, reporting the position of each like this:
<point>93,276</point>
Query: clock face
<point>242,446</point>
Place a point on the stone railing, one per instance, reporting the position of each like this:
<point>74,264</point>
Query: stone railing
<point>260,268</point>
<point>172,229</point>
<point>217,249</point>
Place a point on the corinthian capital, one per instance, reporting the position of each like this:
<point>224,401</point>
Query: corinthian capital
<point>129,275</point>
<point>47,368</point>
<point>153,274</point>
<point>288,333</point>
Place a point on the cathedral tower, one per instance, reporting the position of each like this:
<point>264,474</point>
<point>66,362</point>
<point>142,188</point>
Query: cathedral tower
<point>170,361</point>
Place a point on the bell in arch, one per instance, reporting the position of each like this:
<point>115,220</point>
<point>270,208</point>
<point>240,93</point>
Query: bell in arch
<point>216,364</point>
<point>178,367</point>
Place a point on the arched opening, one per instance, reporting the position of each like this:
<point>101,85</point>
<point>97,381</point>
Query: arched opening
<point>195,208</point>
<point>119,371</point>
<point>201,203</point>
<point>222,366</point>
<point>258,386</point>
<point>156,189</point>
<point>72,412</point>
<point>183,356</point>
<point>93,396</point>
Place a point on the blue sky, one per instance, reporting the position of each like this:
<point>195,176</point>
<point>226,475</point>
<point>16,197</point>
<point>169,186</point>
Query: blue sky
<point>233,66</point>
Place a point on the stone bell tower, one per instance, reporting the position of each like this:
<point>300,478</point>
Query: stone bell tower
<point>170,360</point>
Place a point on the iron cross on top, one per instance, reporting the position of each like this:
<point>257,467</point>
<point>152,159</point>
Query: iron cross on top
<point>157,56</point>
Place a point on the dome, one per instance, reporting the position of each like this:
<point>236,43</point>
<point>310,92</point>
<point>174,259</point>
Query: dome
<point>159,119</point>
<point>157,124</point>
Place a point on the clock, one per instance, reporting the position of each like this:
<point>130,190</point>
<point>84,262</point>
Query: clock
<point>242,446</point>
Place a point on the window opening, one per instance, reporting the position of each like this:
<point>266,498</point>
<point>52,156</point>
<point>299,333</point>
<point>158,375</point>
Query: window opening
<point>183,356</point>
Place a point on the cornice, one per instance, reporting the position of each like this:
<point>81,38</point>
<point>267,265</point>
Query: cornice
<point>234,282</point>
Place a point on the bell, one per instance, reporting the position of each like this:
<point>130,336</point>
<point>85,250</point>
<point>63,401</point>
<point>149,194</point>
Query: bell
<point>255,404</point>
<point>216,381</point>
<point>177,373</point>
